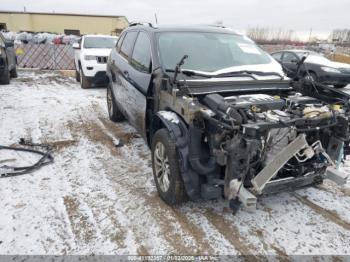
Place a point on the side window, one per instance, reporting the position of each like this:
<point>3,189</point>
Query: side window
<point>277,56</point>
<point>127,45</point>
<point>289,58</point>
<point>120,40</point>
<point>141,57</point>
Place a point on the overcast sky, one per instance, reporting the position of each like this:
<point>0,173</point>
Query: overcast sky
<point>299,15</point>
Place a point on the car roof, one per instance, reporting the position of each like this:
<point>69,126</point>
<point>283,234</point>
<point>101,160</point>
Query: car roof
<point>182,28</point>
<point>297,51</point>
<point>110,36</point>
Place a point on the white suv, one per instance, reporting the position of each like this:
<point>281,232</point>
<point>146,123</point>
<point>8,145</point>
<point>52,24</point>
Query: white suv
<point>91,56</point>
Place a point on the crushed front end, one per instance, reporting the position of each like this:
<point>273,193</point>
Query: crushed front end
<point>245,145</point>
<point>269,144</point>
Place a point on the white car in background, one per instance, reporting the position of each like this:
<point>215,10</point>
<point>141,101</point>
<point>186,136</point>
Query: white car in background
<point>91,55</point>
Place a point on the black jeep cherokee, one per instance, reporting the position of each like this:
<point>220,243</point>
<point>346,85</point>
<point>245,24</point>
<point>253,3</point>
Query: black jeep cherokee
<point>7,60</point>
<point>220,117</point>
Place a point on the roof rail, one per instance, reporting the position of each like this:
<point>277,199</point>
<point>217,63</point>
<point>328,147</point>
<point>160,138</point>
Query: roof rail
<point>218,25</point>
<point>141,23</point>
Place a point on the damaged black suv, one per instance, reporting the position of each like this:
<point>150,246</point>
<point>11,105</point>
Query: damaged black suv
<point>220,117</point>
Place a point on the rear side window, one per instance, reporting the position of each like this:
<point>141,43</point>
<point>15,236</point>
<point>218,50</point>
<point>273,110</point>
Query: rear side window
<point>141,57</point>
<point>127,44</point>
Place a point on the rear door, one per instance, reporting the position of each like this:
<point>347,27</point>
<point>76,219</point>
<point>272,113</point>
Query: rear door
<point>120,67</point>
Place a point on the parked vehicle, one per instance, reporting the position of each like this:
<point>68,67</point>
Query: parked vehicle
<point>316,66</point>
<point>8,66</point>
<point>91,58</point>
<point>220,117</point>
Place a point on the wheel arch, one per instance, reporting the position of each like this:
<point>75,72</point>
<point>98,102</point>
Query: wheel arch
<point>178,131</point>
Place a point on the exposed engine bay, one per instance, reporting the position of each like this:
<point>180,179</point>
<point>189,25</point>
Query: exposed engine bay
<point>246,145</point>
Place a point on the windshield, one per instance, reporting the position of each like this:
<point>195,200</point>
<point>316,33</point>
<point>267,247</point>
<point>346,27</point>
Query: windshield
<point>209,52</point>
<point>99,42</point>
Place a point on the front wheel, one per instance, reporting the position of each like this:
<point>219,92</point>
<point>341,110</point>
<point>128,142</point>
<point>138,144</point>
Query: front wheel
<point>84,82</point>
<point>166,171</point>
<point>311,76</point>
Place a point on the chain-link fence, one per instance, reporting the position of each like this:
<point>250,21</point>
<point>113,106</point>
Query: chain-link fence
<point>45,56</point>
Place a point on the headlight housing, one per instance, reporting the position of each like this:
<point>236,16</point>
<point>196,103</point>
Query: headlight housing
<point>90,57</point>
<point>330,70</point>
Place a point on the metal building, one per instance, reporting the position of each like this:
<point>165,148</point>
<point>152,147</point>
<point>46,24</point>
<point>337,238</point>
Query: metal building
<point>62,23</point>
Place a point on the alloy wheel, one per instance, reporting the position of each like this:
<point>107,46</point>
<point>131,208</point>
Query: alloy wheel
<point>162,167</point>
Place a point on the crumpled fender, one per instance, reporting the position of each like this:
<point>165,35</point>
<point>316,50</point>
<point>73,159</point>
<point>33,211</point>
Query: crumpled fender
<point>179,132</point>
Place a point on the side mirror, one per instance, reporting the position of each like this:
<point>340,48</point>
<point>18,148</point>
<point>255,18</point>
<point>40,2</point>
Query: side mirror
<point>76,45</point>
<point>9,44</point>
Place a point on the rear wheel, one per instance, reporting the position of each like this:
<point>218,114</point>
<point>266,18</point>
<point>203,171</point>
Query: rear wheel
<point>5,78</point>
<point>114,113</point>
<point>166,171</point>
<point>13,73</point>
<point>84,82</point>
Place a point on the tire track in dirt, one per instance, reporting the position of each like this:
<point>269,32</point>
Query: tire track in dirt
<point>176,217</point>
<point>82,229</point>
<point>232,234</point>
<point>327,214</point>
<point>280,254</point>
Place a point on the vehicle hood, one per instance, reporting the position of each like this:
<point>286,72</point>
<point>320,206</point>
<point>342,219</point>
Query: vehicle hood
<point>273,66</point>
<point>97,51</point>
<point>323,62</point>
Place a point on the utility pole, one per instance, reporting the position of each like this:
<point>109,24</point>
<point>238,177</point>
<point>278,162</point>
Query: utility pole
<point>310,34</point>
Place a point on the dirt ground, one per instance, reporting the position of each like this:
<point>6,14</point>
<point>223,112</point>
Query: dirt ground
<point>97,198</point>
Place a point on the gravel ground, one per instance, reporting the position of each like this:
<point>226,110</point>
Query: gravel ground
<point>99,199</point>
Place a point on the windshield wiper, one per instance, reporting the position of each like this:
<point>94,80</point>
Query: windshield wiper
<point>189,72</point>
<point>178,66</point>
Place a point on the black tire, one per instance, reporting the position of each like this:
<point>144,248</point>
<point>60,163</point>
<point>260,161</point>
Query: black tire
<point>77,76</point>
<point>13,73</point>
<point>340,86</point>
<point>175,193</point>
<point>113,111</point>
<point>5,78</point>
<point>84,82</point>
